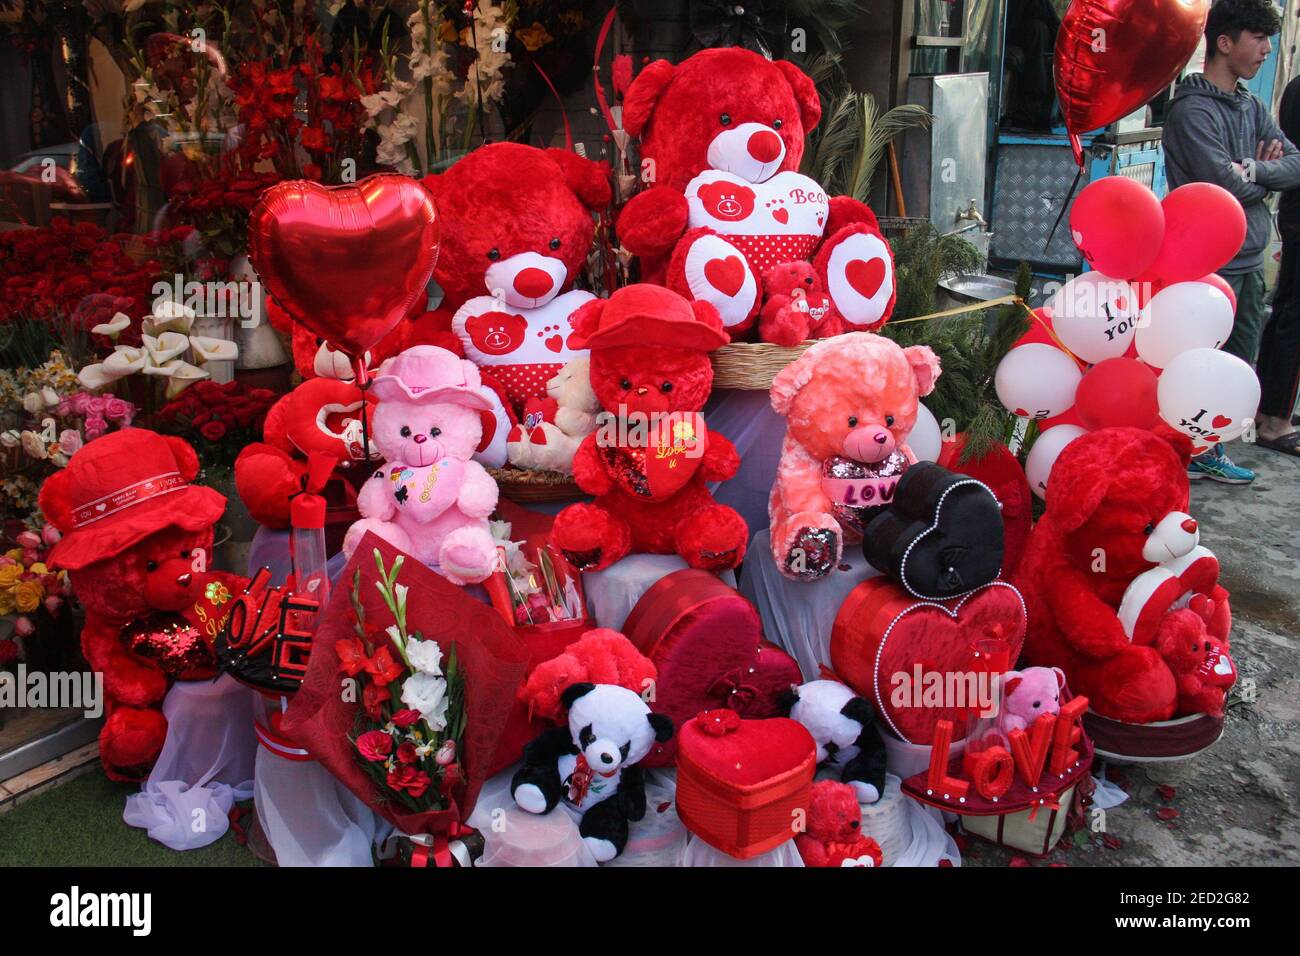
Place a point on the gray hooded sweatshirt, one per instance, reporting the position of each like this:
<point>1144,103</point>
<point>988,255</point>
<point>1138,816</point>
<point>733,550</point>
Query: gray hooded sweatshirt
<point>1207,130</point>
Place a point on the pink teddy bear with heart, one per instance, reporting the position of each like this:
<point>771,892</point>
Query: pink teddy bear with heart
<point>430,499</point>
<point>1029,693</point>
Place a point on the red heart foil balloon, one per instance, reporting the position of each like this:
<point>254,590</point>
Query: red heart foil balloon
<point>1112,56</point>
<point>347,262</point>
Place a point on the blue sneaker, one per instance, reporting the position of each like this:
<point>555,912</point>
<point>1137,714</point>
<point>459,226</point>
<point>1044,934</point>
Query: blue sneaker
<point>1217,466</point>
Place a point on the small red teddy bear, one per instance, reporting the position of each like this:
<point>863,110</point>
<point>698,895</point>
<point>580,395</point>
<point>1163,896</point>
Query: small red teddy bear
<point>833,836</point>
<point>650,370</point>
<point>1202,666</point>
<point>796,306</point>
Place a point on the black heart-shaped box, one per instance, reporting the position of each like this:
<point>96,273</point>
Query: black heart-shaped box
<point>941,537</point>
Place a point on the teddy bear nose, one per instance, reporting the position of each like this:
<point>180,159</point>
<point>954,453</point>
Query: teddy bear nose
<point>1189,526</point>
<point>882,437</point>
<point>184,579</point>
<point>764,146</point>
<point>533,283</point>
<point>606,758</point>
<point>642,390</point>
<point>421,439</point>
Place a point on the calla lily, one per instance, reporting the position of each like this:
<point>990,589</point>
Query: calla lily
<point>125,360</point>
<point>114,326</point>
<point>208,349</point>
<point>181,376</point>
<point>169,316</point>
<point>165,347</point>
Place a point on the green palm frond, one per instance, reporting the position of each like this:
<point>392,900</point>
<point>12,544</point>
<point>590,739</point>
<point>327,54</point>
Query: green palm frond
<point>878,129</point>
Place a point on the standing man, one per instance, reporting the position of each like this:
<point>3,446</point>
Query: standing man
<point>1217,131</point>
<point>1279,347</point>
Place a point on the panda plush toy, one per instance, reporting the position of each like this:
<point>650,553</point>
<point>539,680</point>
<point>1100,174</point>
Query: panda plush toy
<point>844,727</point>
<point>589,767</point>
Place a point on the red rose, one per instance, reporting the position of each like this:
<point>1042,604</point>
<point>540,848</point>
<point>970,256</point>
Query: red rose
<point>715,723</point>
<point>403,718</point>
<point>8,653</point>
<point>407,778</point>
<point>213,431</point>
<point>375,745</point>
<point>406,752</point>
<point>418,783</point>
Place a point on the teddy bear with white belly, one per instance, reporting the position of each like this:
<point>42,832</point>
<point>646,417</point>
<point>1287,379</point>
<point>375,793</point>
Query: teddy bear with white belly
<point>589,766</point>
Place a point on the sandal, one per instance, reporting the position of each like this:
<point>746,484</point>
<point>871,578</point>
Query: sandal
<point>1287,444</point>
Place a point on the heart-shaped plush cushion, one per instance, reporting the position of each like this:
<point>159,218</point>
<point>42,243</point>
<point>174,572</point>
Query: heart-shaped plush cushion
<point>1167,587</point>
<point>940,537</point>
<point>705,640</point>
<point>890,648</point>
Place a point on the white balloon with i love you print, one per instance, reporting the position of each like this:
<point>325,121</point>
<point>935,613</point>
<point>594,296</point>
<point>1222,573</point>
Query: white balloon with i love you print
<point>1095,316</point>
<point>1208,395</point>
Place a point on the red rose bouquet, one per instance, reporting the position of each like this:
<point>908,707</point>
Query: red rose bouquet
<point>218,420</point>
<point>408,691</point>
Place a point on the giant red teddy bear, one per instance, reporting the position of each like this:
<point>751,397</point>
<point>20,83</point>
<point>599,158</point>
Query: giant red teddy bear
<point>722,136</point>
<point>1113,496</point>
<point>650,370</point>
<point>133,527</point>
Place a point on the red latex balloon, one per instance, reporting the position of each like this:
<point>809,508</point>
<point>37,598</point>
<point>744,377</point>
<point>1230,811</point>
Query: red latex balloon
<point>1112,56</point>
<point>1204,228</point>
<point>1037,332</point>
<point>1118,225</point>
<point>1119,392</point>
<point>1220,283</point>
<point>347,262</point>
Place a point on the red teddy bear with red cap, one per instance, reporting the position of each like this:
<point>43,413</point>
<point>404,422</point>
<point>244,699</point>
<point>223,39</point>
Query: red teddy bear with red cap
<point>137,542</point>
<point>649,462</point>
<point>722,137</point>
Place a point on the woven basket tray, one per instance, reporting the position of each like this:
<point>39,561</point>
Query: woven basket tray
<point>526,486</point>
<point>751,366</point>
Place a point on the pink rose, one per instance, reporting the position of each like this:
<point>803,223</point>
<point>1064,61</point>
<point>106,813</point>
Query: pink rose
<point>118,410</point>
<point>95,427</point>
<point>30,556</point>
<point>51,535</point>
<point>53,603</point>
<point>24,627</point>
<point>96,404</point>
<point>28,539</point>
<point>80,403</point>
<point>70,441</point>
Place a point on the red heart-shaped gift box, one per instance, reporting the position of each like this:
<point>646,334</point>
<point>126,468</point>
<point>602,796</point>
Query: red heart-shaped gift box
<point>883,636</point>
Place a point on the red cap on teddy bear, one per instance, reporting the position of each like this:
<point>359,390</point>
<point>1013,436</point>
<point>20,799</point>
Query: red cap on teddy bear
<point>121,488</point>
<point>644,314</point>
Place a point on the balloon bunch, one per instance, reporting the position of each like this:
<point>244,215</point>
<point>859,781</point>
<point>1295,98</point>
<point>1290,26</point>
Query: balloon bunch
<point>1136,340</point>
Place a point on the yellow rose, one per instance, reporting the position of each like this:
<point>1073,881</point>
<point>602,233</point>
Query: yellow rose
<point>39,568</point>
<point>15,553</point>
<point>9,575</point>
<point>28,595</point>
<point>6,603</point>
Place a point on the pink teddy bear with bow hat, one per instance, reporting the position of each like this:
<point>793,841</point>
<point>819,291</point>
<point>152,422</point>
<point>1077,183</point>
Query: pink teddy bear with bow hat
<point>430,499</point>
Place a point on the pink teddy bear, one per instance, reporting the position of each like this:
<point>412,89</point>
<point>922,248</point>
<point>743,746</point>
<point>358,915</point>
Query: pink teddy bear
<point>849,404</point>
<point>430,500</point>
<point>1029,693</point>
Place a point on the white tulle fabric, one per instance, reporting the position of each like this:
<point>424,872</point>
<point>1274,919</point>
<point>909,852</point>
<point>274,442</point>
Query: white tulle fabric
<point>798,615</point>
<point>309,818</point>
<point>612,593</point>
<point>746,417</point>
<point>205,766</point>
<point>698,853</point>
<point>1107,793</point>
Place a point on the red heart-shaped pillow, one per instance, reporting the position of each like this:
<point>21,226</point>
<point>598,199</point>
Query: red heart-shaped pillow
<point>883,639</point>
<point>347,262</point>
<point>1153,593</point>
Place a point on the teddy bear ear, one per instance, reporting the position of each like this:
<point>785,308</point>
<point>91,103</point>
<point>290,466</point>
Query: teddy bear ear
<point>1060,678</point>
<point>1010,681</point>
<point>186,458</point>
<point>586,321</point>
<point>639,101</point>
<point>1075,491</point>
<point>663,726</point>
<point>805,93</point>
<point>925,366</point>
<point>706,313</point>
<point>791,379</point>
<point>56,501</point>
<point>588,180</point>
<point>430,183</point>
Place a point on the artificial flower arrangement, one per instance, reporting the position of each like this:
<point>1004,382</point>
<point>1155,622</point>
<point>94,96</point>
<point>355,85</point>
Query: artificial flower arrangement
<point>533,591</point>
<point>28,586</point>
<point>412,752</point>
<point>218,420</point>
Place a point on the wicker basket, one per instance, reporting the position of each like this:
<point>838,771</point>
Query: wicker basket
<point>751,366</point>
<point>533,487</point>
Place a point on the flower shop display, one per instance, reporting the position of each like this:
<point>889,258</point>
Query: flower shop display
<point>940,536</point>
<point>849,404</point>
<point>135,534</point>
<point>430,499</point>
<point>518,226</point>
<point>218,420</point>
<point>843,725</point>
<point>650,369</point>
<point>591,764</point>
<point>1138,517</point>
<point>706,642</point>
<point>726,201</point>
<point>833,836</point>
<point>550,431</point>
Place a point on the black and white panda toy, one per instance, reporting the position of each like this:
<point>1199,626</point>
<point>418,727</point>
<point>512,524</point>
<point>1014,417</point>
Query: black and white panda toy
<point>844,728</point>
<point>589,766</point>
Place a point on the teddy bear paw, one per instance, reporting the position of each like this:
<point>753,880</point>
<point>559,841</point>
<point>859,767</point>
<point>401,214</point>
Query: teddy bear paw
<point>718,560</point>
<point>812,554</point>
<point>602,850</point>
<point>865,792</point>
<point>586,560</point>
<point>529,797</point>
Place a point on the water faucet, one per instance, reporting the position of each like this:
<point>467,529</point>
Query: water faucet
<point>972,213</point>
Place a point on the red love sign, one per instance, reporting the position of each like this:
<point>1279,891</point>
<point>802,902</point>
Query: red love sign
<point>347,262</point>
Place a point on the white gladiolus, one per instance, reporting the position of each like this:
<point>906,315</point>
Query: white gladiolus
<point>427,694</point>
<point>425,656</point>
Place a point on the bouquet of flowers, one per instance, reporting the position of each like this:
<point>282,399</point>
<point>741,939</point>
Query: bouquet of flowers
<point>218,420</point>
<point>28,588</point>
<point>410,752</point>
